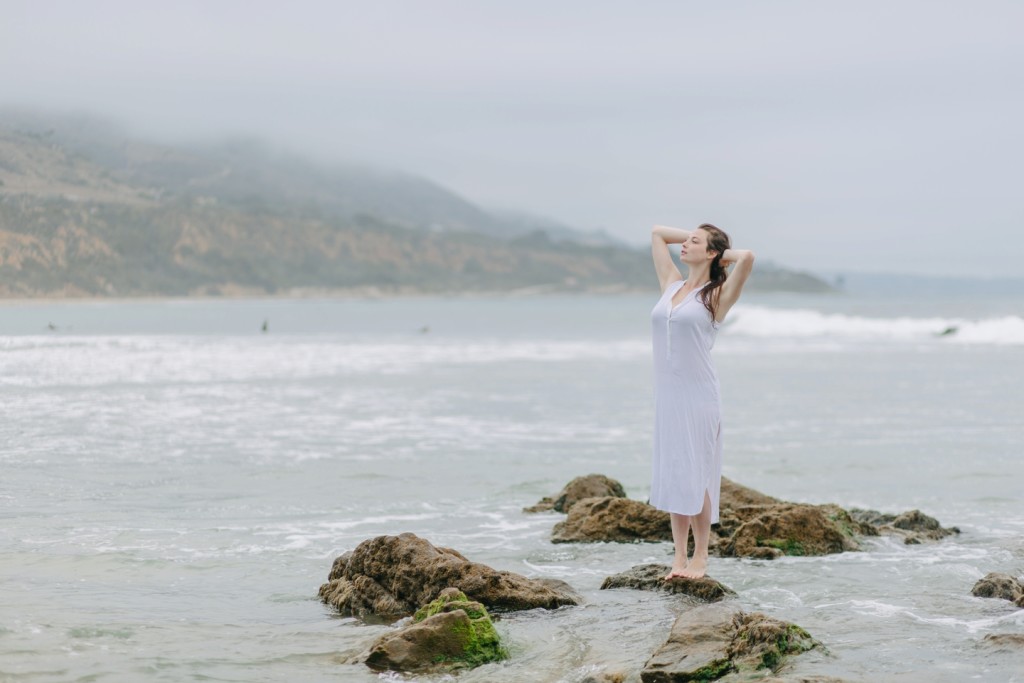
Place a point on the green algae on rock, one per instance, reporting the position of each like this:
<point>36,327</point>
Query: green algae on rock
<point>717,640</point>
<point>451,632</point>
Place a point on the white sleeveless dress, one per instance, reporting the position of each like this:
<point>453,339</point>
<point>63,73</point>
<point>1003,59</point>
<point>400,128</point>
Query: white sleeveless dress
<point>687,413</point>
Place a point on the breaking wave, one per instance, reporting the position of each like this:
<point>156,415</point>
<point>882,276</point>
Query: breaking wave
<point>775,323</point>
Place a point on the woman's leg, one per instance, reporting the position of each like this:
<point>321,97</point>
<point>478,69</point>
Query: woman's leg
<point>698,564</point>
<point>680,537</point>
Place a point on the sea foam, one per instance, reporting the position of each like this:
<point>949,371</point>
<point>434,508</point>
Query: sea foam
<point>778,323</point>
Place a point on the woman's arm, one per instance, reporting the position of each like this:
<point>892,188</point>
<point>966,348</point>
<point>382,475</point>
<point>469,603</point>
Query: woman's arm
<point>664,266</point>
<point>730,292</point>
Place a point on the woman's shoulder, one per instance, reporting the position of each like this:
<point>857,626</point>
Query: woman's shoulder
<point>673,282</point>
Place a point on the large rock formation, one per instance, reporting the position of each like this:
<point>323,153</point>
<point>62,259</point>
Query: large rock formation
<point>788,529</point>
<point>712,641</point>
<point>590,486</point>
<point>996,585</point>
<point>762,531</point>
<point>452,632</point>
<point>612,519</point>
<point>651,577</point>
<point>391,576</point>
<point>751,524</point>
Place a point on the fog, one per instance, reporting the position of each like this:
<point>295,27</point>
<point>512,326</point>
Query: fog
<point>872,136</point>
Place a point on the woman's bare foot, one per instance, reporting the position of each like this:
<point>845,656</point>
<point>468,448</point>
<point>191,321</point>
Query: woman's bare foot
<point>677,570</point>
<point>696,568</point>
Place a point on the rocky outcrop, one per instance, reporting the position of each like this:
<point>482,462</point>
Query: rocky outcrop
<point>766,531</point>
<point>751,523</point>
<point>759,531</point>
<point>996,585</point>
<point>712,641</point>
<point>391,576</point>
<point>651,577</point>
<point>912,526</point>
<point>590,486</point>
<point>452,632</point>
<point>620,520</point>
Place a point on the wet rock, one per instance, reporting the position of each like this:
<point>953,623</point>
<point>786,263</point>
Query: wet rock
<point>651,577</point>
<point>996,585</point>
<point>765,553</point>
<point>612,519</point>
<point>590,486</point>
<point>390,576</point>
<point>912,526</point>
<point>762,642</point>
<point>1013,642</point>
<point>712,641</point>
<point>452,632</point>
<point>792,529</point>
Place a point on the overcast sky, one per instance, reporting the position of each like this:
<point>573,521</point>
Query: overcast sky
<point>858,136</point>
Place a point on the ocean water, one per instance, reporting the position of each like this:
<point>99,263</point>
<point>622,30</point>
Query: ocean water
<point>176,483</point>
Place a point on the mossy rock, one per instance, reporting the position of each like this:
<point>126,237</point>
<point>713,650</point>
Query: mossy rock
<point>720,641</point>
<point>451,632</point>
<point>761,642</point>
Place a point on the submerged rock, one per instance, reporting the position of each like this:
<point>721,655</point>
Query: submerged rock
<point>1005,641</point>
<point>651,577</point>
<point>606,677</point>
<point>589,486</point>
<point>790,529</point>
<point>451,632</point>
<point>913,526</point>
<point>711,641</point>
<point>612,519</point>
<point>996,585</point>
<point>391,576</point>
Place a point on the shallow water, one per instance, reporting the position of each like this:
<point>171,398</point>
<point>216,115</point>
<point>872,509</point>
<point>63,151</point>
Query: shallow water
<point>176,484</point>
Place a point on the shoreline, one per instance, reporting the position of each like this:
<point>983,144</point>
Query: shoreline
<point>349,294</point>
<point>371,293</point>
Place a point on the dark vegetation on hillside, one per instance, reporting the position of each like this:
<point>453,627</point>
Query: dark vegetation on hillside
<point>86,211</point>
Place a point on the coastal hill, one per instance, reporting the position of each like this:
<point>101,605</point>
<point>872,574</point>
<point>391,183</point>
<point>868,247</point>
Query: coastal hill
<point>85,210</point>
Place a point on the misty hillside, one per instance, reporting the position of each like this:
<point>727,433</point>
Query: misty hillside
<point>85,210</point>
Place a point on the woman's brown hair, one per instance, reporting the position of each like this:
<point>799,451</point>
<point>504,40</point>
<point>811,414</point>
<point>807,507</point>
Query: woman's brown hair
<point>718,242</point>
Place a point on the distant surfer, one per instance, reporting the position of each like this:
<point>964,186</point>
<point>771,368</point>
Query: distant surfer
<point>687,464</point>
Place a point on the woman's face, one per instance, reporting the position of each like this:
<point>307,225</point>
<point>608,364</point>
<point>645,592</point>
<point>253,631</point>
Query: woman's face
<point>695,249</point>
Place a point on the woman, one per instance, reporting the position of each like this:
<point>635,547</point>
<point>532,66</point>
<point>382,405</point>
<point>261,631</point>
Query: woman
<point>687,472</point>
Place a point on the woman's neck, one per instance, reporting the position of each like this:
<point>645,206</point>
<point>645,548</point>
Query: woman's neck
<point>701,274</point>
